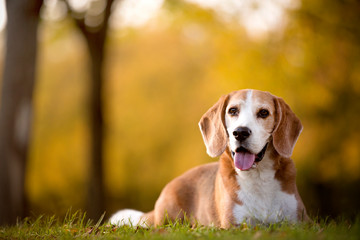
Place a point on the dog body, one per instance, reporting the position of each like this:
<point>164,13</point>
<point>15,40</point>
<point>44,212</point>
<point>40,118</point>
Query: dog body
<point>254,132</point>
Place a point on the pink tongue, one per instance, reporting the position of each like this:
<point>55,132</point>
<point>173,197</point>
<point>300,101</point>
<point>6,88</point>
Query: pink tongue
<point>244,160</point>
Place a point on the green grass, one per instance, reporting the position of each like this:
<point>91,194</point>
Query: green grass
<point>76,226</point>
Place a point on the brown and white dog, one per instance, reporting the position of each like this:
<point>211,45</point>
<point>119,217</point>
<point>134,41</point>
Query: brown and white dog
<point>254,132</point>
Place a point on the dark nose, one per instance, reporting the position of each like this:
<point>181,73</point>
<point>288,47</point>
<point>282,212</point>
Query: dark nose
<point>241,133</point>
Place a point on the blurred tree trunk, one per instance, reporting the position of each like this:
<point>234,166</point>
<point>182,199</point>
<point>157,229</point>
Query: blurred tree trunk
<point>95,38</point>
<point>17,105</point>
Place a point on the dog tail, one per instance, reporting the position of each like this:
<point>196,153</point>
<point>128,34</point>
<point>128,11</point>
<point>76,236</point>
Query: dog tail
<point>132,218</point>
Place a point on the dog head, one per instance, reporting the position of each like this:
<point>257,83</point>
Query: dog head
<point>246,121</point>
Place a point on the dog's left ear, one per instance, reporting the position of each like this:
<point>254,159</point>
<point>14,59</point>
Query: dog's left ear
<point>287,128</point>
<point>212,127</point>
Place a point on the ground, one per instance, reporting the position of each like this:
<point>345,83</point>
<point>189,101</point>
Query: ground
<point>75,226</point>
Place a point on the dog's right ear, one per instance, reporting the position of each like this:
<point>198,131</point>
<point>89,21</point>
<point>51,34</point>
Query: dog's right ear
<point>212,127</point>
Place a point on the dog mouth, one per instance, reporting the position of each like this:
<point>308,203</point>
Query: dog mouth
<point>245,160</point>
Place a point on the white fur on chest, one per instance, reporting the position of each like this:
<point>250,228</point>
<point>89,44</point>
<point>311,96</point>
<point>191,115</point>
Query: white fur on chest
<point>262,197</point>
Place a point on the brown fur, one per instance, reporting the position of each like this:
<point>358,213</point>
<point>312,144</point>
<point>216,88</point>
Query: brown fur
<point>287,128</point>
<point>212,128</point>
<point>207,194</point>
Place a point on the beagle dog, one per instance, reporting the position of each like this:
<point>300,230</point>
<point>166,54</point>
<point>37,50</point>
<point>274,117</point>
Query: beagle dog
<point>254,133</point>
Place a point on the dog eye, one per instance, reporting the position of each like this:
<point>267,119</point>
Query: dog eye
<point>233,111</point>
<point>263,113</point>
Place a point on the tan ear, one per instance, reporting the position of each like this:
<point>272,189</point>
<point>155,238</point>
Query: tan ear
<point>212,127</point>
<point>287,129</point>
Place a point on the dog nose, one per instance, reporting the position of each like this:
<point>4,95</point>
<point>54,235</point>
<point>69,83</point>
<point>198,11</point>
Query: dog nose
<point>241,133</point>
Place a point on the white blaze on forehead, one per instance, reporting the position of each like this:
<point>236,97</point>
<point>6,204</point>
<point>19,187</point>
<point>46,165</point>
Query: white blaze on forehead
<point>245,116</point>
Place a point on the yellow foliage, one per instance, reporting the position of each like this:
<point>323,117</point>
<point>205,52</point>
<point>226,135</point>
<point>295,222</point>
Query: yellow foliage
<point>159,83</point>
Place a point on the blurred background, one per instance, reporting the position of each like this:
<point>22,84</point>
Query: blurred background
<point>164,63</point>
